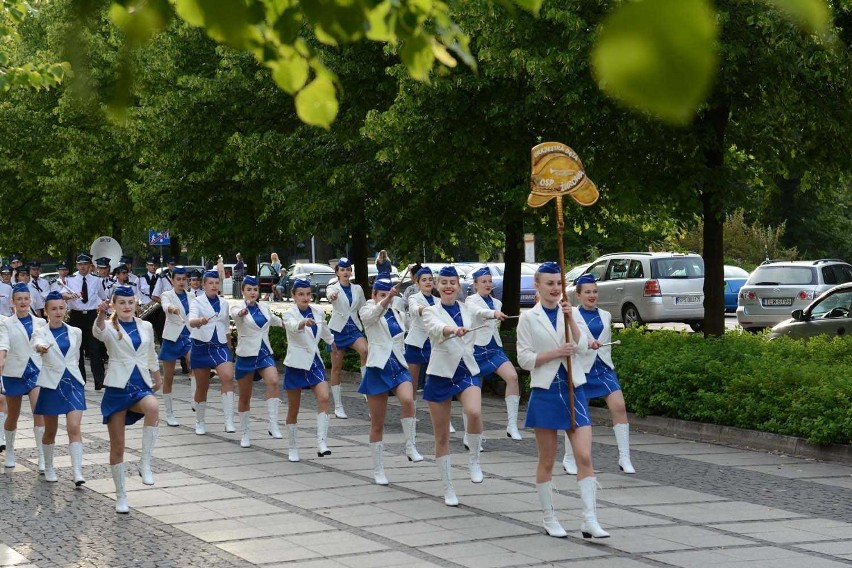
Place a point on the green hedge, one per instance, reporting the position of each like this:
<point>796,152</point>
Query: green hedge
<point>798,388</point>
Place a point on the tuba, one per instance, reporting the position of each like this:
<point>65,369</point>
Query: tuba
<point>149,309</point>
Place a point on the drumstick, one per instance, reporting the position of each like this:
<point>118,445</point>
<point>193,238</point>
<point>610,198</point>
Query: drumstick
<point>616,342</point>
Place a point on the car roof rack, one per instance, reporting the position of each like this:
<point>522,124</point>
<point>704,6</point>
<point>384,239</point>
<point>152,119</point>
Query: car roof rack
<point>774,260</point>
<point>627,252</point>
<point>828,260</point>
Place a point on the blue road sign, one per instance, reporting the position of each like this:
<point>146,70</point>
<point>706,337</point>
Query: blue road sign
<point>159,238</point>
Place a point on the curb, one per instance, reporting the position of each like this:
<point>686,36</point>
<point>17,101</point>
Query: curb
<point>732,436</point>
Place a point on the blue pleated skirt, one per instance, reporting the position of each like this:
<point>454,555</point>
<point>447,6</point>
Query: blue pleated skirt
<point>549,409</point>
<point>247,365</point>
<point>601,381</point>
<point>439,389</point>
<point>19,386</point>
<point>209,355</point>
<point>380,381</point>
<point>418,355</point>
<point>304,379</point>
<point>350,333</point>
<point>116,399</point>
<point>68,396</point>
<point>174,350</point>
<point>489,358</point>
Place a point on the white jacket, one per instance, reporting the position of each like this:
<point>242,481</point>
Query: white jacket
<point>200,308</point>
<point>175,323</point>
<point>605,353</point>
<point>382,345</point>
<point>249,336</point>
<point>53,363</point>
<point>123,357</point>
<point>302,344</point>
<point>19,348</point>
<point>536,335</point>
<point>417,335</point>
<point>342,310</point>
<point>484,335</point>
<point>446,356</point>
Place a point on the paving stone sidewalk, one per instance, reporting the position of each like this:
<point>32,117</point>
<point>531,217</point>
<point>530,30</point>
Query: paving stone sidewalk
<point>216,504</point>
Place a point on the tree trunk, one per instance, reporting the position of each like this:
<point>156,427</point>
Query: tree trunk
<point>359,254</point>
<point>715,121</point>
<point>512,272</point>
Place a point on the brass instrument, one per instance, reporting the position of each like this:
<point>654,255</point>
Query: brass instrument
<point>149,309</point>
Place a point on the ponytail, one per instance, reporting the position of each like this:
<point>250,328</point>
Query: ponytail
<point>114,319</point>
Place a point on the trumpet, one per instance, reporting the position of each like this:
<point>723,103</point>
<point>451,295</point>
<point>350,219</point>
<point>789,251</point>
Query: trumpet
<point>149,309</point>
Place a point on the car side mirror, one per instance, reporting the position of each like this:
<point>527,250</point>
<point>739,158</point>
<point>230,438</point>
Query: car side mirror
<point>798,315</point>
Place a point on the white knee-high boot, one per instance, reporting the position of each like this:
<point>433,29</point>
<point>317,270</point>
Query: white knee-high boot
<point>228,410</point>
<point>168,401</point>
<point>590,527</point>
<point>513,401</point>
<point>149,438</point>
<point>49,472</point>
<point>39,432</point>
<point>245,429</point>
<point>322,432</point>
<point>76,451</point>
<point>293,453</point>
<point>378,465</point>
<point>568,462</point>
<point>273,406</point>
<point>551,523</point>
<point>121,505</point>
<point>473,460</point>
<point>200,410</point>
<point>622,438</point>
<point>2,431</point>
<point>192,391</point>
<point>338,401</point>
<point>445,469</point>
<point>466,438</point>
<point>409,428</point>
<point>10,448</point>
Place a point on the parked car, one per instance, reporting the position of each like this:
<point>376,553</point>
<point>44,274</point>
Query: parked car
<point>528,291</point>
<point>735,277</point>
<point>318,274</point>
<point>830,313</point>
<point>645,287</point>
<point>496,271</point>
<point>776,288</point>
<point>372,272</point>
<point>576,272</point>
<point>266,277</point>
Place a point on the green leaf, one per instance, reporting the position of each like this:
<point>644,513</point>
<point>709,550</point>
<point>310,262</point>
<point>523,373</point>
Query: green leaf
<point>812,15</point>
<point>418,57</point>
<point>226,21</point>
<point>658,56</point>
<point>291,74</point>
<point>316,104</point>
<point>532,6</point>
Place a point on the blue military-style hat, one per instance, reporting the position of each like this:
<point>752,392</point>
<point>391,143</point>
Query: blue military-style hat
<point>153,259</point>
<point>124,291</point>
<point>35,264</point>
<point>125,259</point>
<point>102,262</point>
<point>84,257</point>
<point>179,270</point>
<point>549,267</point>
<point>344,262</point>
<point>481,272</point>
<point>301,283</point>
<point>61,265</point>
<point>382,283</point>
<point>16,256</point>
<point>585,279</point>
<point>6,268</point>
<point>449,272</point>
<point>54,295</point>
<point>250,281</point>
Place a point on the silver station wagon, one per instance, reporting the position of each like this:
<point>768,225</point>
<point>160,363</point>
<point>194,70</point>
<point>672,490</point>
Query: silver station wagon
<point>645,287</point>
<point>777,288</point>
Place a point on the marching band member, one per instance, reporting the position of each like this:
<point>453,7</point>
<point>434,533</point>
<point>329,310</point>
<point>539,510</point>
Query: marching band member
<point>22,276</point>
<point>601,380</point>
<point>209,327</point>
<point>37,283</point>
<point>254,357</point>
<point>102,272</point>
<point>6,291</point>
<point>176,341</point>
<point>150,290</point>
<point>166,277</point>
<point>60,386</point>
<point>16,260</point>
<point>19,367</point>
<point>543,351</point>
<point>346,300</point>
<point>132,378</point>
<point>127,261</point>
<point>418,348</point>
<point>58,285</point>
<point>488,349</point>
<point>195,288</point>
<point>81,293</point>
<point>386,372</point>
<point>303,368</point>
<point>453,371</point>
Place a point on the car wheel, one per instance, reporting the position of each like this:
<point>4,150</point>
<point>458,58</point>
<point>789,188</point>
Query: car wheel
<point>696,326</point>
<point>630,316</point>
<point>754,329</point>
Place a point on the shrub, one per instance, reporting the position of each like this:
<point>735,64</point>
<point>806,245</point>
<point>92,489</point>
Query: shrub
<point>798,388</point>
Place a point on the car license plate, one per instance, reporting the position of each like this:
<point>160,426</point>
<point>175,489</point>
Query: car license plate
<point>778,301</point>
<point>687,300</point>
<point>527,297</point>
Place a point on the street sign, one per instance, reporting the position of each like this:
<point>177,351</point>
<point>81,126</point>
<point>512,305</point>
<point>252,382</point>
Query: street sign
<point>159,238</point>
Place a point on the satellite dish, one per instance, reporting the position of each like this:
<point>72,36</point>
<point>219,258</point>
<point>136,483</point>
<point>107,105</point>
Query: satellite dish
<point>106,247</point>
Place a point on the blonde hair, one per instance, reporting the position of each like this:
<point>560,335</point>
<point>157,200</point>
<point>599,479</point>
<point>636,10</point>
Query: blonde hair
<point>114,319</point>
<point>274,257</point>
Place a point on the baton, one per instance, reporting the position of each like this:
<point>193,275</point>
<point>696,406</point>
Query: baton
<point>616,342</point>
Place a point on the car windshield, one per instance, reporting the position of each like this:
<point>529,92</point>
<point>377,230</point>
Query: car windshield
<point>678,267</point>
<point>841,300</point>
<point>783,275</point>
<point>315,268</point>
<point>527,270</point>
<point>735,272</point>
